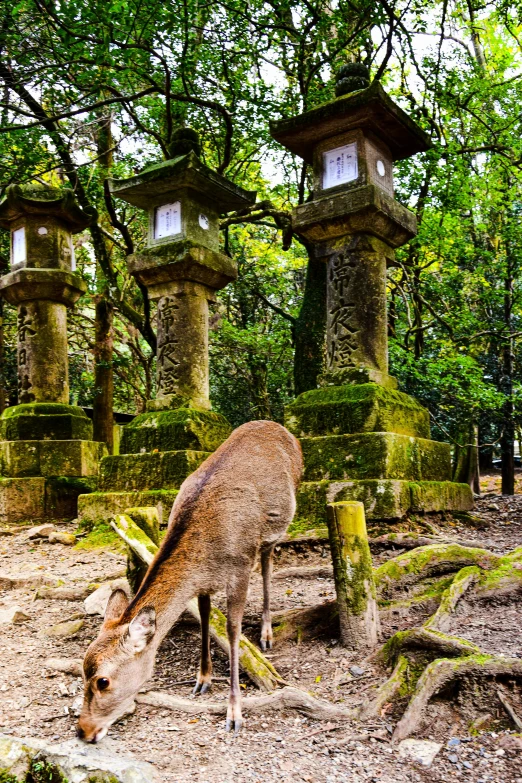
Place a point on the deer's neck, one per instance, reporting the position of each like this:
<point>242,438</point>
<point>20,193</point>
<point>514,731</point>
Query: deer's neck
<point>168,586</point>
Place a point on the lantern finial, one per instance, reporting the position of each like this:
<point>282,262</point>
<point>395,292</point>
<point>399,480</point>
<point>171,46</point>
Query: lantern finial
<point>351,77</point>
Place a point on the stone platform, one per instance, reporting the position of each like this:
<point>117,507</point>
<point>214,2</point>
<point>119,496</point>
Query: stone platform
<point>47,459</point>
<point>372,444</point>
<point>159,449</point>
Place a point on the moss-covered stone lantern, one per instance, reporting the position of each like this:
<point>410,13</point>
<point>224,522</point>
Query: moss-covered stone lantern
<point>42,284</point>
<point>361,439</point>
<point>182,266</point>
<point>47,455</point>
<point>182,269</point>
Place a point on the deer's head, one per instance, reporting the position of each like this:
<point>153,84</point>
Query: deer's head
<point>115,667</point>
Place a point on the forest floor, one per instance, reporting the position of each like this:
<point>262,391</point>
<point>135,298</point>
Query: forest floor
<point>36,701</point>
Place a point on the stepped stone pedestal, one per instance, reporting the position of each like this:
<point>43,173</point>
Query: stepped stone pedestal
<point>362,439</point>
<point>47,455</point>
<point>181,268</point>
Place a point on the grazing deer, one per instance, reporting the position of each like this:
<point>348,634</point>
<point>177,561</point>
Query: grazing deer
<point>237,504</point>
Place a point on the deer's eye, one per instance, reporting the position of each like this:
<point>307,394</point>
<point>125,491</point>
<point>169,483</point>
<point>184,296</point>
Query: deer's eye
<point>102,683</point>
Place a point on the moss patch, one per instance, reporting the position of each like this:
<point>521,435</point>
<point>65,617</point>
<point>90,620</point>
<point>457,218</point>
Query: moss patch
<point>100,536</point>
<point>45,421</point>
<point>175,430</point>
<point>146,471</point>
<point>368,407</point>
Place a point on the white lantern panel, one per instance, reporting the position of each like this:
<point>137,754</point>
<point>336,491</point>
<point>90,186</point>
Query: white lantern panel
<point>340,165</point>
<point>19,250</point>
<point>167,220</point>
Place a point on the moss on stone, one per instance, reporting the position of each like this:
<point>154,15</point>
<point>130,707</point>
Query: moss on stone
<point>45,421</point>
<point>101,536</point>
<point>51,457</point>
<point>175,430</point>
<point>146,471</point>
<point>375,455</point>
<point>340,410</point>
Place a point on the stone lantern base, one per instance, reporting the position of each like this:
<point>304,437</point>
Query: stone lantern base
<point>159,449</point>
<point>47,459</point>
<point>370,443</point>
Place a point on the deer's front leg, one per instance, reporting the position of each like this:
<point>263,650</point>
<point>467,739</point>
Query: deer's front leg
<point>266,570</point>
<point>236,598</point>
<point>204,679</point>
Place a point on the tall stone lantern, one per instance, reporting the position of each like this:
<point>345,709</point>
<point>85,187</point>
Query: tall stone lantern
<point>45,441</point>
<point>182,268</point>
<point>369,440</point>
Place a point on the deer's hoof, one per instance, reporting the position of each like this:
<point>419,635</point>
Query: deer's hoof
<point>235,724</point>
<point>201,687</point>
<point>266,644</point>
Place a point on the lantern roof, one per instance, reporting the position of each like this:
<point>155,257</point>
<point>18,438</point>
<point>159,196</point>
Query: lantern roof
<point>161,181</point>
<point>370,109</point>
<point>30,199</point>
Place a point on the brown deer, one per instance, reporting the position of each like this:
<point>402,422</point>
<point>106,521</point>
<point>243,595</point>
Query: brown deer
<point>236,505</point>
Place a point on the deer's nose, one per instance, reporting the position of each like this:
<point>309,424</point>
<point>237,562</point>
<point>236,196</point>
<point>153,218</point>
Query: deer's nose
<point>80,733</point>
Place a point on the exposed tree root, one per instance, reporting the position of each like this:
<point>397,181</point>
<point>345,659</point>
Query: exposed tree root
<point>307,623</point>
<point>465,578</point>
<point>430,641</point>
<point>371,708</point>
<point>288,698</point>
<point>415,540</point>
<point>304,572</point>
<point>443,671</point>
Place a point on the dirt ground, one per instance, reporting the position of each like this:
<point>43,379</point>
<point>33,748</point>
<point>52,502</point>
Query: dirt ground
<point>276,746</point>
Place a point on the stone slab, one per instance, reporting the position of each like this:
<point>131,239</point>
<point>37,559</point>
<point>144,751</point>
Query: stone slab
<point>21,759</point>
<point>375,455</point>
<point>97,507</point>
<point>51,457</point>
<point>174,430</point>
<point>45,421</point>
<point>167,469</point>
<point>382,498</point>
<point>345,410</point>
<point>29,499</point>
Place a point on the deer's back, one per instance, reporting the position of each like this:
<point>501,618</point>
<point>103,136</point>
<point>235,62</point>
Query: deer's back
<point>243,494</point>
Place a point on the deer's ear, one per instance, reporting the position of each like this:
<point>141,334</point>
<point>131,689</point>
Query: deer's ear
<point>116,605</point>
<point>142,628</point>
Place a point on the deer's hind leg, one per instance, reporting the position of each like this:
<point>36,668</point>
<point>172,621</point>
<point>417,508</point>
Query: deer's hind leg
<point>266,569</point>
<point>237,591</point>
<point>204,679</point>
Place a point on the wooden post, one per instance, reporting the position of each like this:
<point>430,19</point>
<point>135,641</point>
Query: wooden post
<point>353,573</point>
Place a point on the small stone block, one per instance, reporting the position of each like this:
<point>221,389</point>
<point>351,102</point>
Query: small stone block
<point>62,630</point>
<point>175,430</point>
<point>145,471</point>
<point>346,410</point>
<point>421,751</point>
<point>42,531</point>
<point>97,507</point>
<point>13,615</point>
<point>60,537</point>
<point>375,455</point>
<point>21,499</point>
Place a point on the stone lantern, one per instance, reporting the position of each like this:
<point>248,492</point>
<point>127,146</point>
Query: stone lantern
<point>182,268</point>
<point>47,454</point>
<point>370,440</point>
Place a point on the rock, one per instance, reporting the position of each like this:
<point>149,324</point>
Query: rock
<point>356,671</point>
<point>72,760</point>
<point>66,665</point>
<point>492,507</point>
<point>41,531</point>
<point>13,614</point>
<point>60,537</point>
<point>96,602</point>
<point>421,751</point>
<point>453,742</point>
<point>453,758</point>
<point>25,580</point>
<point>510,743</point>
<point>63,629</point>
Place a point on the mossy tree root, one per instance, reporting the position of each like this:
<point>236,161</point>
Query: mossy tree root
<point>427,640</point>
<point>425,562</point>
<point>442,672</point>
<point>252,661</point>
<point>461,583</point>
<point>371,708</point>
<point>415,540</point>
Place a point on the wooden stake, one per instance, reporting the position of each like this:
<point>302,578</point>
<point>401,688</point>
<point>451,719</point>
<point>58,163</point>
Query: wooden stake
<point>353,574</point>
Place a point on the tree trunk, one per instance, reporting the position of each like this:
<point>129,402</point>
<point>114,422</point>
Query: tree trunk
<point>507,441</point>
<point>258,388</point>
<point>2,359</point>
<point>103,401</point>
<point>310,327</point>
<point>465,470</point>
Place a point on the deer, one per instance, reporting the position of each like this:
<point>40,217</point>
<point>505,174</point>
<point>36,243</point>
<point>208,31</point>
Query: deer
<point>233,509</point>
